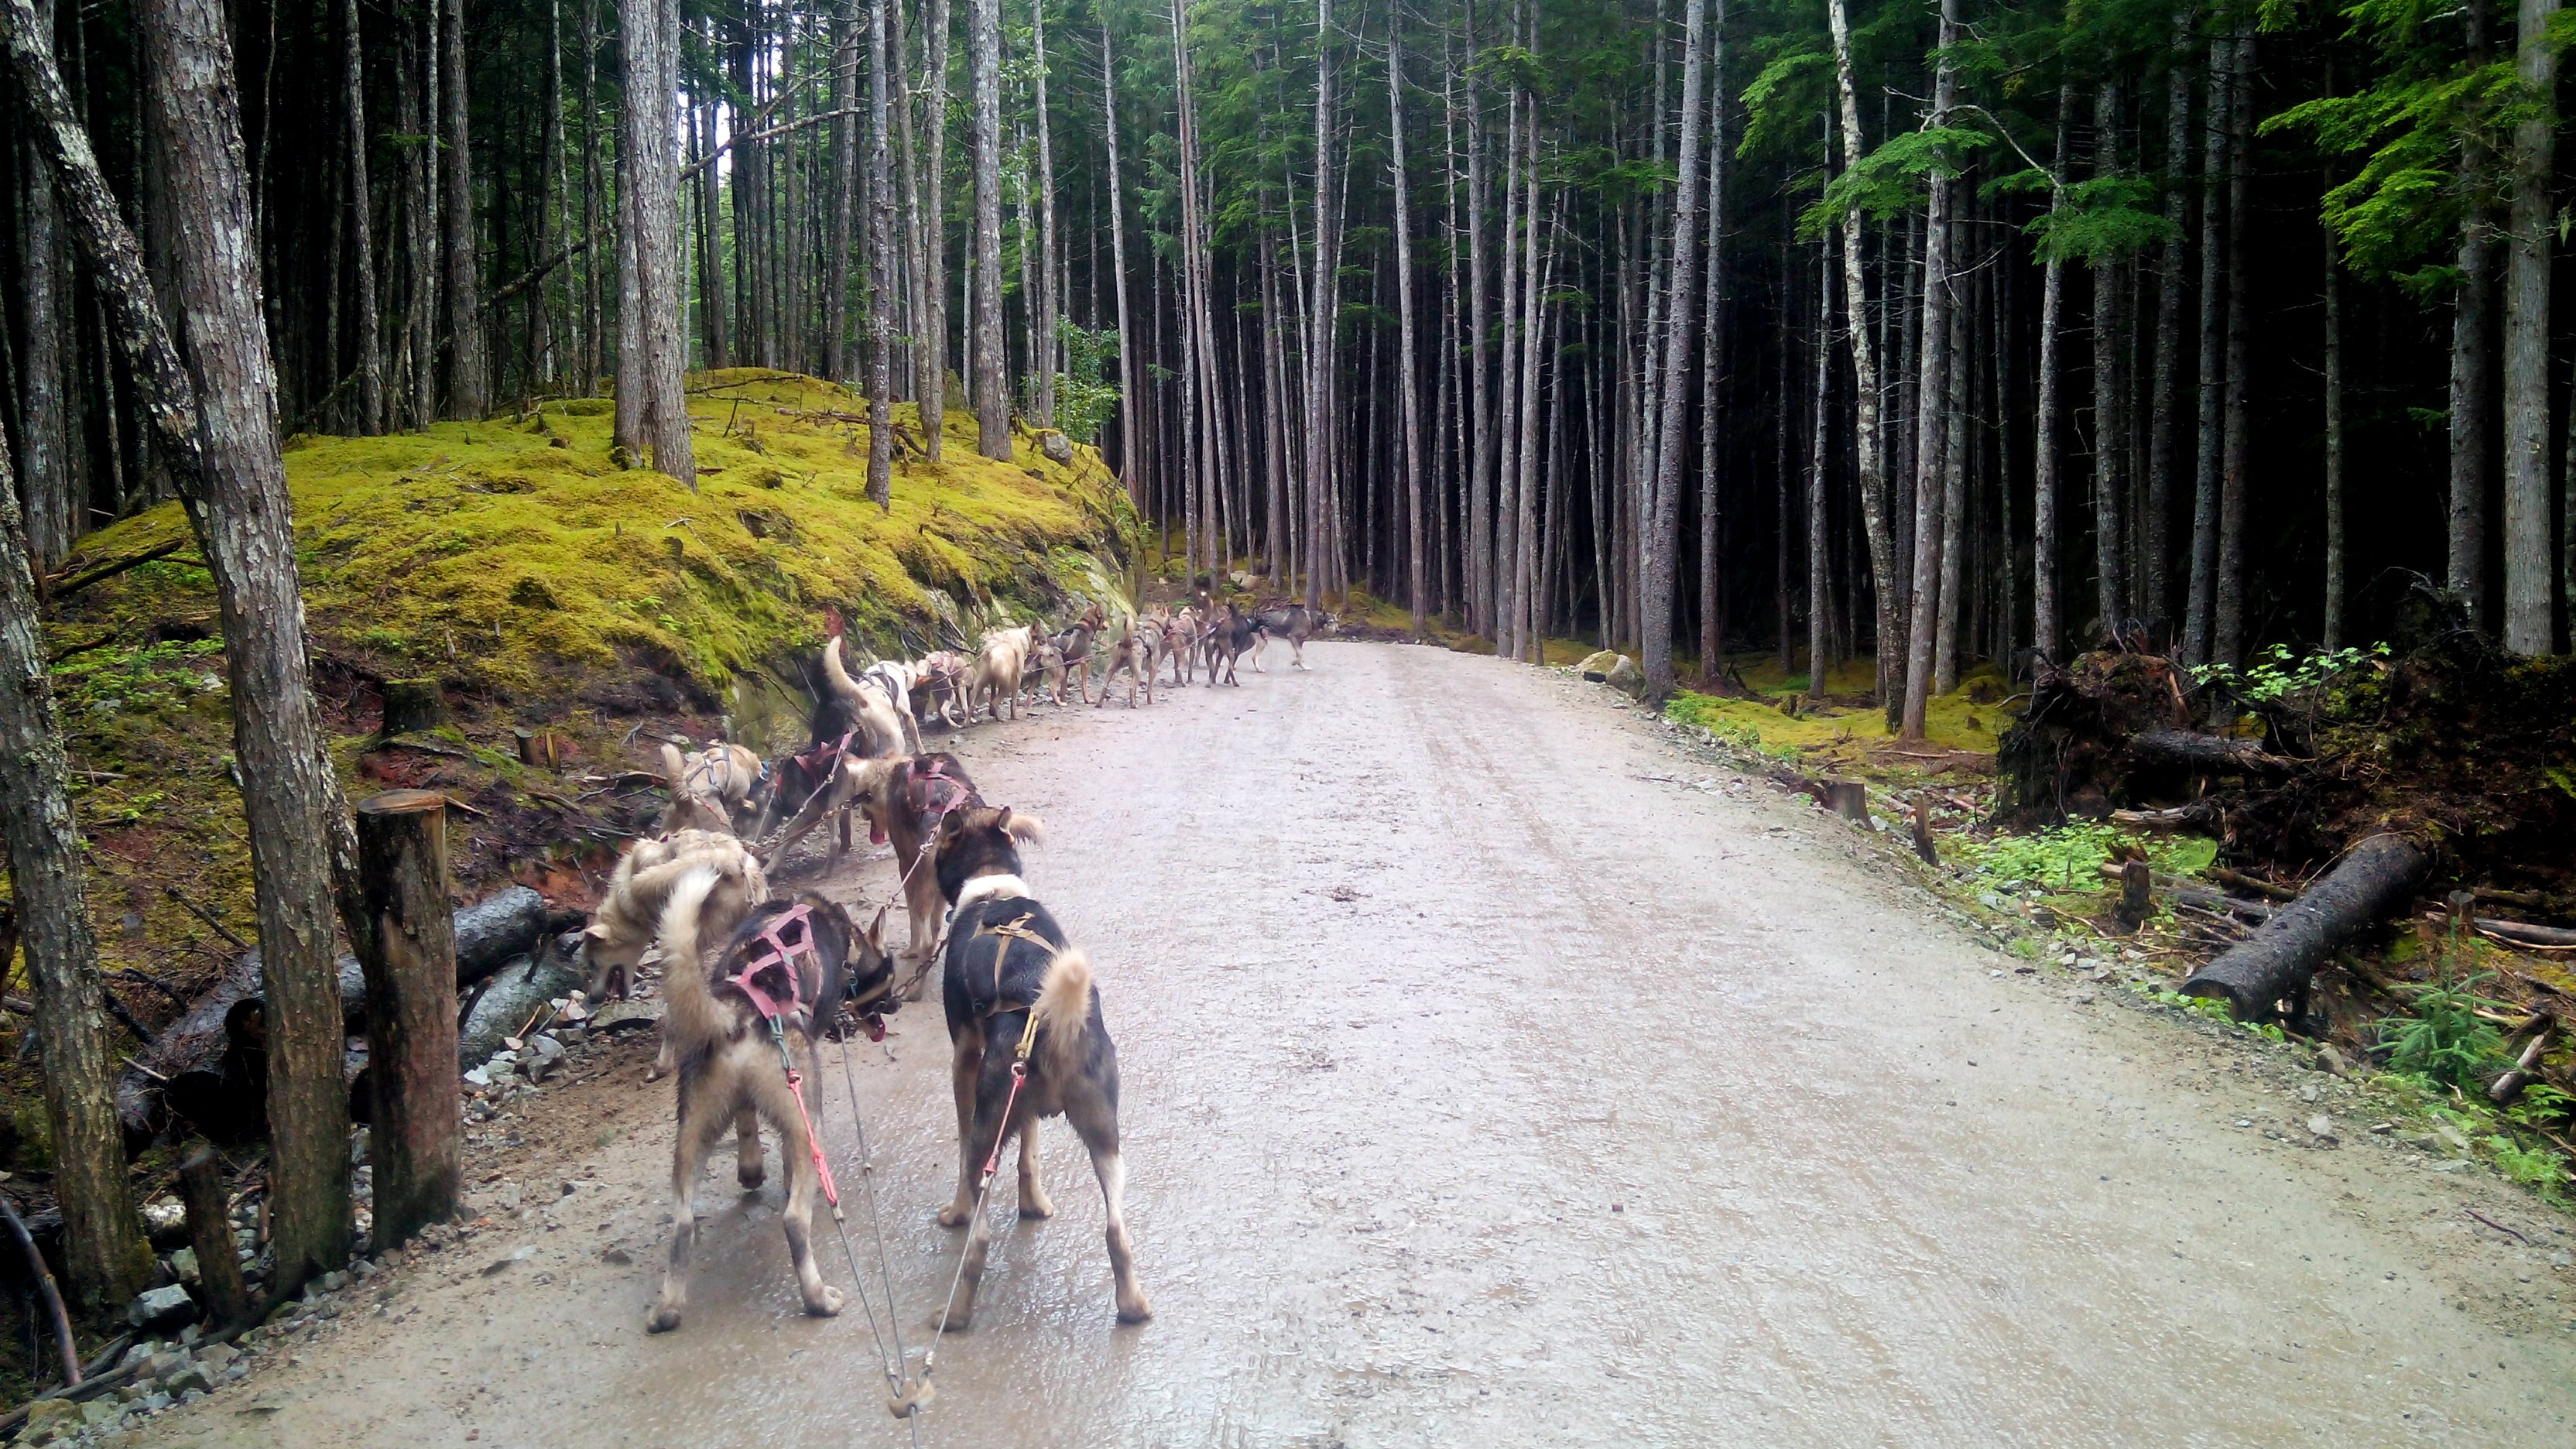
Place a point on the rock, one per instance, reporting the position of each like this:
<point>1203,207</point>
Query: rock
<point>45,1416</point>
<point>617,1257</point>
<point>1624,674</point>
<point>161,1309</point>
<point>1596,665</point>
<point>1057,447</point>
<point>2084,998</point>
<point>155,1403</point>
<point>627,1016</point>
<point>543,1055</point>
<point>2321,1127</point>
<point>334,1281</point>
<point>166,1221</point>
<point>2332,1060</point>
<point>140,1353</point>
<point>478,1077</point>
<point>502,1264</point>
<point>217,1355</point>
<point>163,1364</point>
<point>100,1411</point>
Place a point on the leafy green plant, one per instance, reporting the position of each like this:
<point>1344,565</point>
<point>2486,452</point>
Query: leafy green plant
<point>2539,1167</point>
<point>2281,672</point>
<point>1084,403</point>
<point>2443,1038</point>
<point>2070,857</point>
<point>2543,1106</point>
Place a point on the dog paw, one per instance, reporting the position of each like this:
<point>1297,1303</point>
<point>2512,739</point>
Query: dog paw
<point>751,1178</point>
<point>665,1318</point>
<point>955,1215</point>
<point>826,1306</point>
<point>951,1322</point>
<point>1035,1207</point>
<point>1134,1310</point>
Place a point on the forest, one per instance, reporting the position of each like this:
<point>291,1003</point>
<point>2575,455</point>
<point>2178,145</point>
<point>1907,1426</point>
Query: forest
<point>1899,338</point>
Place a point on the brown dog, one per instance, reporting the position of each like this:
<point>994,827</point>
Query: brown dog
<point>733,1025</point>
<point>902,800</point>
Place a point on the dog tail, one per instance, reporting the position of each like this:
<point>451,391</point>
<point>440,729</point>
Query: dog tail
<point>1063,1011</point>
<point>691,1003</point>
<point>675,765</point>
<point>838,675</point>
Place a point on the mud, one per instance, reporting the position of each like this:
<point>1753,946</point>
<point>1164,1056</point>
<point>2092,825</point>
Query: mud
<point>1483,1088</point>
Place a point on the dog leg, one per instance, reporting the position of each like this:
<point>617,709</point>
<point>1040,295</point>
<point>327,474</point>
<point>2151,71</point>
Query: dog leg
<point>803,1184</point>
<point>749,1168</point>
<point>989,1132</point>
<point>696,1139</point>
<point>1111,1168</point>
<point>963,1069</point>
<point>1034,1203</point>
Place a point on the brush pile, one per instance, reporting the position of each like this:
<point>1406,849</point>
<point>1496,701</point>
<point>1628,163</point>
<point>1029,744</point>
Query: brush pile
<point>2360,779</point>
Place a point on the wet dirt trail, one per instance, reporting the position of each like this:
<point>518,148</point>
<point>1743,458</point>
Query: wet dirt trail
<point>1479,1089</point>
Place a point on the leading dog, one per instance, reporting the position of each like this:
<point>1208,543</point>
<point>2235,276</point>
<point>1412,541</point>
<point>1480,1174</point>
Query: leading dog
<point>1293,622</point>
<point>903,800</point>
<point>739,1025</point>
<point>1019,998</point>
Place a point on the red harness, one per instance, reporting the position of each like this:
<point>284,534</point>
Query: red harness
<point>770,952</point>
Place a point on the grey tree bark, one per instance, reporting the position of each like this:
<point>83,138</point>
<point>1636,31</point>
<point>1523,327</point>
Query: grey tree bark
<point>2110,390</point>
<point>1049,305</point>
<point>1483,440</point>
<point>1324,319</point>
<point>371,372</point>
<point>47,473</point>
<point>986,346</point>
<point>105,1259</point>
<point>843,159</point>
<point>2152,591</point>
<point>1819,608</point>
<point>1924,614</point>
<point>2046,629</point>
<point>882,270</point>
<point>2472,400</point>
<point>1712,597</point>
<point>214,422</point>
<point>2529,577</point>
<point>2214,168</point>
<point>654,409</point>
<point>930,376</point>
<point>468,378</point>
<point>2228,642</point>
<point>1664,515</point>
<point>1407,383</point>
<point>1130,437</point>
<point>1867,444</point>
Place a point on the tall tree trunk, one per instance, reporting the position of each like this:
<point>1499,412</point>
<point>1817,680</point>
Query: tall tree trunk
<point>371,373</point>
<point>594,190</point>
<point>1712,598</point>
<point>2529,625</point>
<point>844,181</point>
<point>468,377</point>
<point>1417,586</point>
<point>1928,429</point>
<point>47,474</point>
<point>1868,458</point>
<point>1130,440</point>
<point>1483,437</point>
<point>1819,610</point>
<point>216,431</point>
<point>1664,519</point>
<point>1953,601</point>
<point>104,1256</point>
<point>2197,638</point>
<point>882,270</point>
<point>1323,324</point>
<point>2110,391</point>
<point>1049,305</point>
<point>991,385</point>
<point>2152,595</point>
<point>2228,643</point>
<point>2046,630</point>
<point>2472,398</point>
<point>930,378</point>
<point>712,288</point>
<point>655,411</point>
<point>2332,636</point>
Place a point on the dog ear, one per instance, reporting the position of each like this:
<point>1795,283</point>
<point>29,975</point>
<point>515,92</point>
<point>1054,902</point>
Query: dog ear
<point>595,931</point>
<point>876,931</point>
<point>1027,829</point>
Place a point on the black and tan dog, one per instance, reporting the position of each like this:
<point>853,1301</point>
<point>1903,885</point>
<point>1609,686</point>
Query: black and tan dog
<point>1293,622</point>
<point>733,1025</point>
<point>1073,654</point>
<point>1228,640</point>
<point>1137,653</point>
<point>1016,993</point>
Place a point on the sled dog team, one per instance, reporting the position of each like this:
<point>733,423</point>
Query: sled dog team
<point>751,984</point>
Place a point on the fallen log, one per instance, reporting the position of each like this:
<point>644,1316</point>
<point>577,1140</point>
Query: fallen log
<point>2524,933</point>
<point>2187,749</point>
<point>2373,880</point>
<point>2243,881</point>
<point>209,1067</point>
<point>2198,815</point>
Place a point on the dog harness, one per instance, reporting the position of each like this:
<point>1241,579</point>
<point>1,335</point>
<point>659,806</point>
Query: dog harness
<point>1016,929</point>
<point>787,939</point>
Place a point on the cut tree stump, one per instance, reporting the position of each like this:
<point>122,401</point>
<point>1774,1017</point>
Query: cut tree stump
<point>1923,845</point>
<point>417,1117</point>
<point>210,1232</point>
<point>2374,880</point>
<point>1848,799</point>
<point>2137,893</point>
<point>413,704</point>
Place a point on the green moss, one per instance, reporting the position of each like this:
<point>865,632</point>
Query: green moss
<point>1844,730</point>
<point>505,556</point>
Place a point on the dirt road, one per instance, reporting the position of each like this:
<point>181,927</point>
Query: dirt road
<point>1481,1089</point>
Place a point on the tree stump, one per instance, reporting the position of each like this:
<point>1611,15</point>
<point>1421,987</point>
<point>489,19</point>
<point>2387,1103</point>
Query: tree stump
<point>1848,799</point>
<point>210,1232</point>
<point>418,1106</point>
<point>2137,894</point>
<point>1923,845</point>
<point>413,704</point>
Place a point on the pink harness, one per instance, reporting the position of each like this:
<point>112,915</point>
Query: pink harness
<point>771,952</point>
